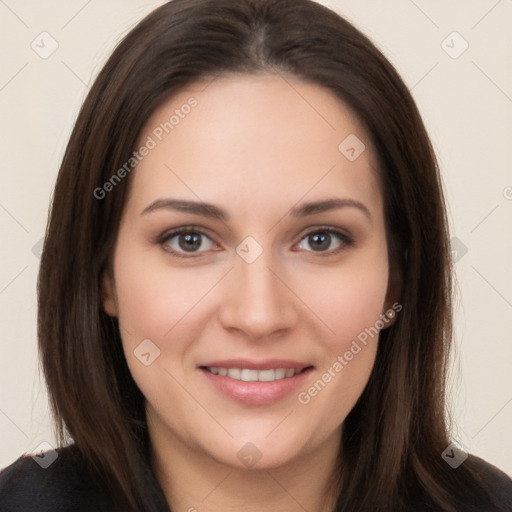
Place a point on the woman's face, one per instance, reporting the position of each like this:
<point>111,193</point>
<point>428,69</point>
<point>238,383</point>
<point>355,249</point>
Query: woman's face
<point>251,270</point>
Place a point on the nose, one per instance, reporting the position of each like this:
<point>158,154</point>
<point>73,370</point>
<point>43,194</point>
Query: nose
<point>256,302</point>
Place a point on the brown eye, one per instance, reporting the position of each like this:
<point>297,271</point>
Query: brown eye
<point>319,241</point>
<point>324,240</point>
<point>188,242</point>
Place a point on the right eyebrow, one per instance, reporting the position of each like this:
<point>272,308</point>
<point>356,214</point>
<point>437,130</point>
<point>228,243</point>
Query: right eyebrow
<point>194,207</point>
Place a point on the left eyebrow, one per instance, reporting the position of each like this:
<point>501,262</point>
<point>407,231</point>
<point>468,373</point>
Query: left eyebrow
<point>327,205</point>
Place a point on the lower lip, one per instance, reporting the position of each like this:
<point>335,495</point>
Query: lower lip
<point>256,392</point>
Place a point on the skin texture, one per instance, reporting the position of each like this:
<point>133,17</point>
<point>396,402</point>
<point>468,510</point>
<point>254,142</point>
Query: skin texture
<point>255,146</point>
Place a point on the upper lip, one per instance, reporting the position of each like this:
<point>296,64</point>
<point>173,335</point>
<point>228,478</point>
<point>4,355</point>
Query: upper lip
<point>251,364</point>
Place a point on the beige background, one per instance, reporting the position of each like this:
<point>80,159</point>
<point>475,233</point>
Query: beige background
<point>467,106</point>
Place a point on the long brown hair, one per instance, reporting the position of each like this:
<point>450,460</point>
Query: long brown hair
<point>394,436</point>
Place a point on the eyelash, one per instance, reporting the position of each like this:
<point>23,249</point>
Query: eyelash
<point>345,240</point>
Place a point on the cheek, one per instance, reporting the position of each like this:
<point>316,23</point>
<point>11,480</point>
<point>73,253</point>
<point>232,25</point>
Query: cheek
<point>154,303</point>
<point>154,297</point>
<point>351,308</point>
<point>165,305</point>
<point>348,300</point>
<point>350,304</point>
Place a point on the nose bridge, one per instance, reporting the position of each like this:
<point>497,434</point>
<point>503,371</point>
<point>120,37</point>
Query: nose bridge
<point>257,304</point>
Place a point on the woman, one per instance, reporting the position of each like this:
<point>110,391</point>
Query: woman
<point>244,294</point>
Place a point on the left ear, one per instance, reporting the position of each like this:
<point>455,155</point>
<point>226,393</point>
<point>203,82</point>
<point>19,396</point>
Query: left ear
<point>392,304</point>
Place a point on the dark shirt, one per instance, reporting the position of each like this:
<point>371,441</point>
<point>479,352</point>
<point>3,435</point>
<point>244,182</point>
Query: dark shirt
<point>63,486</point>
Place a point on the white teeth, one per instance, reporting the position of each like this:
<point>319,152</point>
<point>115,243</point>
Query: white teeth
<point>234,373</point>
<point>280,373</point>
<point>267,375</point>
<point>249,375</point>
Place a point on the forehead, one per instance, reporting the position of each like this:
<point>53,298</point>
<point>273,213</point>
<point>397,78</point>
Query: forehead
<point>266,135</point>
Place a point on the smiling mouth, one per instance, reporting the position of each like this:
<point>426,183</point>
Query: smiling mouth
<point>251,375</point>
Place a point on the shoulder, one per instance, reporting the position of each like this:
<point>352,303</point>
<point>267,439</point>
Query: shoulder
<point>52,481</point>
<point>497,483</point>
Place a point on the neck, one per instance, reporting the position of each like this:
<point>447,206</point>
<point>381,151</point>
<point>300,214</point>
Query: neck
<point>192,480</point>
